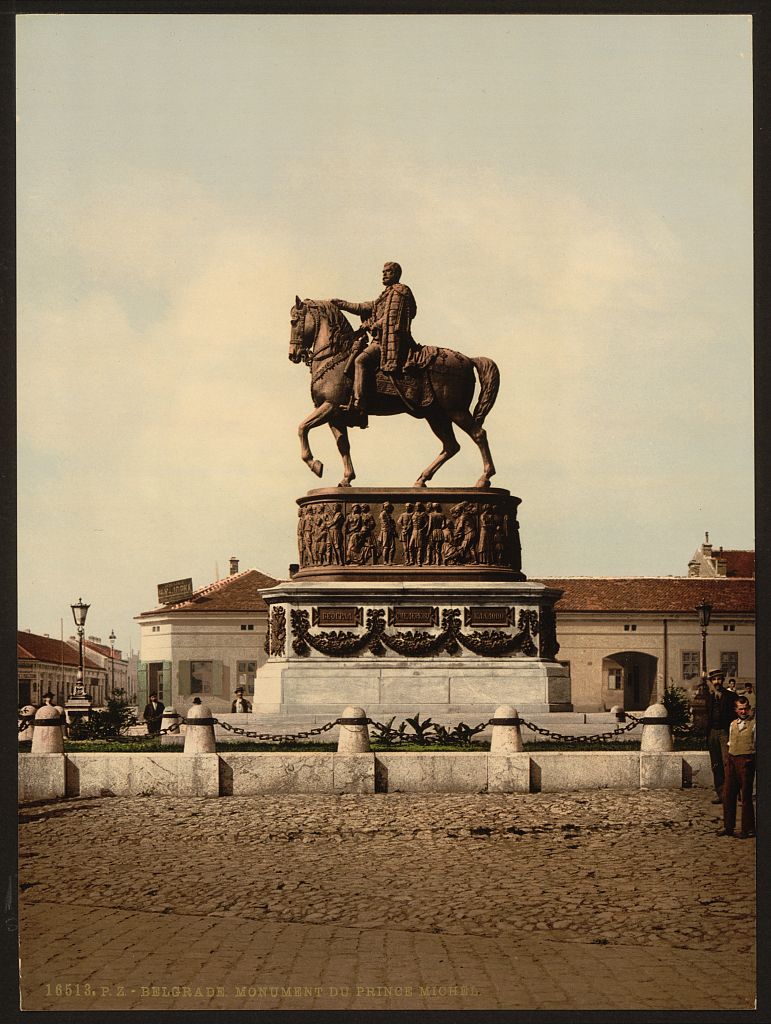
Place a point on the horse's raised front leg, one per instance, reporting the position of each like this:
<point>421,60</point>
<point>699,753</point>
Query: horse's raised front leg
<point>340,433</point>
<point>442,427</point>
<point>319,415</point>
<point>479,436</point>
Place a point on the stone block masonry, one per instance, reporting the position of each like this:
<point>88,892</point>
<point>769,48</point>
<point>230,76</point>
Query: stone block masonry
<point>53,776</point>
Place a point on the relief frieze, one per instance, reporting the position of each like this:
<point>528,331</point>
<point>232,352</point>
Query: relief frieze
<point>418,534</point>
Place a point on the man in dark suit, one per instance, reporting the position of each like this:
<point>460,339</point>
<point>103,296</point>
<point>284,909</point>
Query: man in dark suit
<point>240,705</point>
<point>153,714</point>
<point>721,711</point>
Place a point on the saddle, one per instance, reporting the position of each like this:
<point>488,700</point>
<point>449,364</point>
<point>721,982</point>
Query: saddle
<point>411,385</point>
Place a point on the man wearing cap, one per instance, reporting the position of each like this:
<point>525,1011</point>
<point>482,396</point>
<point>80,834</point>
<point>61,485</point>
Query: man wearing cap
<point>721,711</point>
<point>240,705</point>
<point>740,772</point>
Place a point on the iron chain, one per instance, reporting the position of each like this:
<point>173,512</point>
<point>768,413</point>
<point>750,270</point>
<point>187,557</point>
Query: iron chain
<point>601,736</point>
<point>277,737</point>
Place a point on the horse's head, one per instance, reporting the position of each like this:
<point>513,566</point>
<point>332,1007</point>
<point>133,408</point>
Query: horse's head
<point>302,332</point>
<point>317,328</point>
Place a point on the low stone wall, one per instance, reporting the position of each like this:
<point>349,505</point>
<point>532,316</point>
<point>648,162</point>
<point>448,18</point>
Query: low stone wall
<point>54,776</point>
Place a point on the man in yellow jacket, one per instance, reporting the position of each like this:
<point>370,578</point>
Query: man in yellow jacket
<point>740,772</point>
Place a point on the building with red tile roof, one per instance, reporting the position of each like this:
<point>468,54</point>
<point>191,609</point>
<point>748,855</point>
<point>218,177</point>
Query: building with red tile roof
<point>715,562</point>
<point>207,643</point>
<point>45,664</point>
<point>625,638</point>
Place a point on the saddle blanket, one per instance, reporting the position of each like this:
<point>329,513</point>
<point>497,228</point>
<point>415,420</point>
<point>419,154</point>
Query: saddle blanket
<point>412,383</point>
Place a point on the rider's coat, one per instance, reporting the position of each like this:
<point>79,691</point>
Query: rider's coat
<point>389,318</point>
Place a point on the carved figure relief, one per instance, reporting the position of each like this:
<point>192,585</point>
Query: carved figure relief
<point>405,532</point>
<point>387,537</point>
<point>469,533</point>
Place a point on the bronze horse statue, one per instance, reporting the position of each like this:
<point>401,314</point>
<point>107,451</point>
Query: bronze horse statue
<point>322,338</point>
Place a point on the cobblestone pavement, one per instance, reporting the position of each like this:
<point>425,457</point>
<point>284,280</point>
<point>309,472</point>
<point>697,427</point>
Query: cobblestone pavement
<point>585,900</point>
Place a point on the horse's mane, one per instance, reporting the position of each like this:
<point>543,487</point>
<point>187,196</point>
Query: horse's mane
<point>340,330</point>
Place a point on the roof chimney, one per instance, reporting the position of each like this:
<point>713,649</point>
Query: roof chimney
<point>706,548</point>
<point>233,565</point>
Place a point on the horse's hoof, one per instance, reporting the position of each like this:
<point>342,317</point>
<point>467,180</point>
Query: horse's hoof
<point>344,483</point>
<point>482,483</point>
<point>317,467</point>
<point>420,483</point>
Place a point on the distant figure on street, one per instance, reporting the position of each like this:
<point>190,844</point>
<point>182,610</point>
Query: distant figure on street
<point>740,772</point>
<point>721,704</point>
<point>240,705</point>
<point>153,714</point>
<point>731,685</point>
<point>749,693</point>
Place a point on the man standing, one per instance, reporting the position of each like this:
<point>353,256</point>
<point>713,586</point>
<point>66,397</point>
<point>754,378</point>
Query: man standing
<point>388,319</point>
<point>153,714</point>
<point>721,711</point>
<point>240,705</point>
<point>740,772</point>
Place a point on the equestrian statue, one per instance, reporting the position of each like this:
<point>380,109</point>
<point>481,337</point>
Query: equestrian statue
<point>380,370</point>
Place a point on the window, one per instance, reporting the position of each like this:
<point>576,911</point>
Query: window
<point>156,629</point>
<point>690,664</point>
<point>729,628</point>
<point>247,626</point>
<point>615,679</point>
<point>200,677</point>
<point>246,670</point>
<point>628,627</point>
<point>729,662</point>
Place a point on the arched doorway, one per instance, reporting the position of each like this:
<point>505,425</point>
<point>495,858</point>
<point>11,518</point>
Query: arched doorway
<point>634,675</point>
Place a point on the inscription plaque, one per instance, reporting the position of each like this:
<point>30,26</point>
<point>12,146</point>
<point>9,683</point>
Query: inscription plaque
<point>340,616</point>
<point>413,616</point>
<point>488,616</point>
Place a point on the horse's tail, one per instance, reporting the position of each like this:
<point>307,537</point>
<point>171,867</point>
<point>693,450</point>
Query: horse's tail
<point>489,382</point>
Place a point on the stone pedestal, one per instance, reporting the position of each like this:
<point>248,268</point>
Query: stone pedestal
<point>410,600</point>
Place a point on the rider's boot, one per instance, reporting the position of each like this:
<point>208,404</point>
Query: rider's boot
<point>356,406</point>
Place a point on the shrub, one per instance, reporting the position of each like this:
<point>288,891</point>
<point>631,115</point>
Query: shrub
<point>678,707</point>
<point>115,720</point>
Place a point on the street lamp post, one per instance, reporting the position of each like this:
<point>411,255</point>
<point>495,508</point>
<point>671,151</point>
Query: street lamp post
<point>704,611</point>
<point>79,613</point>
<point>112,658</point>
<point>78,704</point>
<point>699,699</point>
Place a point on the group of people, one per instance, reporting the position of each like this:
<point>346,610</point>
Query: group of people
<point>153,713</point>
<point>731,744</point>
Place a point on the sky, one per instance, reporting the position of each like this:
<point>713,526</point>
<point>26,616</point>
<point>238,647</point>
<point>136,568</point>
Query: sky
<point>570,196</point>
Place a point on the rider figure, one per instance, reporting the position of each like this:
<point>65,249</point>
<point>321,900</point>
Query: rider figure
<point>388,320</point>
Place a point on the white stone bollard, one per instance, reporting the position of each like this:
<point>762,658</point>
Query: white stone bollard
<point>618,712</point>
<point>656,734</point>
<point>171,720</point>
<point>27,714</point>
<point>354,734</point>
<point>47,735</point>
<point>507,735</point>
<point>63,716</point>
<point>199,731</point>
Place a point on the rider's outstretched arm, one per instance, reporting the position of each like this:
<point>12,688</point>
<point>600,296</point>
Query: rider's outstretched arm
<point>362,309</point>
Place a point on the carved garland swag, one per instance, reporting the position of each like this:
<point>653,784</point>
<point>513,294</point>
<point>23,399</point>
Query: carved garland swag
<point>340,644</point>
